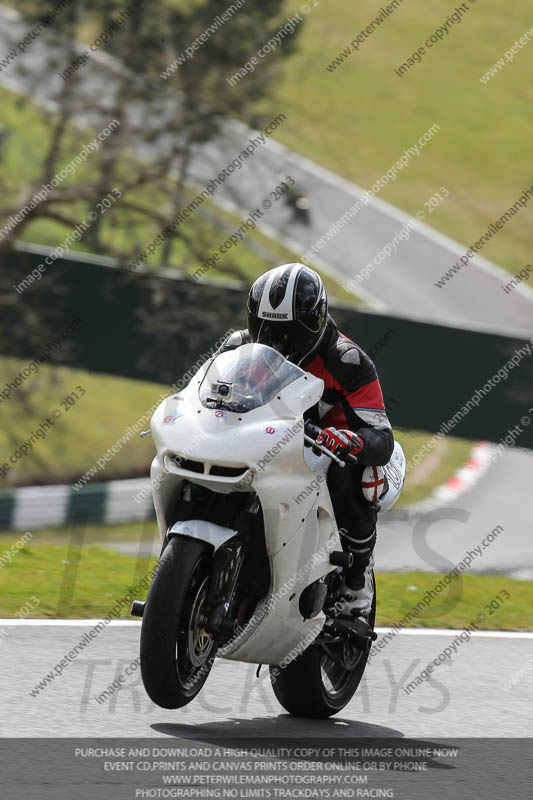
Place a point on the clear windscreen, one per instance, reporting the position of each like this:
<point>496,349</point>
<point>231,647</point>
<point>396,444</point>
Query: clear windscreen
<point>246,378</point>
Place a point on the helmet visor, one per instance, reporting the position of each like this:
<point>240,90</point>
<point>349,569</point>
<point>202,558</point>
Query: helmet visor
<point>288,338</point>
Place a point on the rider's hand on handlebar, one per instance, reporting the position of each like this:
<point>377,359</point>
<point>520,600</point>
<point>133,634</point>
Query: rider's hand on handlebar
<point>341,443</point>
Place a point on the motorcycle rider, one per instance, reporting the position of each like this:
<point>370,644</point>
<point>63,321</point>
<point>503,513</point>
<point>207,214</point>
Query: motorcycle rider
<point>288,310</point>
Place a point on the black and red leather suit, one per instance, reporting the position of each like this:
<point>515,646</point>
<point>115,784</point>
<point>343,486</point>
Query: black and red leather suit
<point>352,400</point>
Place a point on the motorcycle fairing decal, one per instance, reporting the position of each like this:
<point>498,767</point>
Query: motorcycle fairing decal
<point>170,419</point>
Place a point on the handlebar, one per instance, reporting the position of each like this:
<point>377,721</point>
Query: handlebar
<point>311,433</point>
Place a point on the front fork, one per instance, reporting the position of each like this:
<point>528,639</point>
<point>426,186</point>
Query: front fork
<point>227,563</point>
<point>226,567</point>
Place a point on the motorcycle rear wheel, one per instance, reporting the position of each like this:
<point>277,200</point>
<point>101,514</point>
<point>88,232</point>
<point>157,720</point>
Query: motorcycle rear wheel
<point>177,653</point>
<point>314,685</point>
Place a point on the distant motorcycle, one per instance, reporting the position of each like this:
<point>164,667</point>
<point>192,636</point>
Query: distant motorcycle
<point>296,198</point>
<point>301,206</point>
<point>252,563</point>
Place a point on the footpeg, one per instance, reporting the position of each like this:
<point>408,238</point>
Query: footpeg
<point>228,625</point>
<point>219,623</point>
<point>137,608</point>
<point>359,631</point>
<point>341,559</point>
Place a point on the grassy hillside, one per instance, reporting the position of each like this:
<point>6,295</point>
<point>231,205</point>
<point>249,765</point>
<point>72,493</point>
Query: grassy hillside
<point>358,119</point>
<point>80,435</point>
<point>210,227</point>
<point>99,418</point>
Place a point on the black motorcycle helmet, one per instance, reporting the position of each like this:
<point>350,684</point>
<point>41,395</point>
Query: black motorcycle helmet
<point>288,310</point>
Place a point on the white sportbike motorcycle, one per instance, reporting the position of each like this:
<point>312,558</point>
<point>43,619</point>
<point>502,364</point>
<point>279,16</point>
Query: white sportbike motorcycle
<point>252,562</point>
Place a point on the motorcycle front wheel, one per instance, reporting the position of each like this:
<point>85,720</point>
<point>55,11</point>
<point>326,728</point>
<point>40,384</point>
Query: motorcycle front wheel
<point>315,685</point>
<point>177,652</point>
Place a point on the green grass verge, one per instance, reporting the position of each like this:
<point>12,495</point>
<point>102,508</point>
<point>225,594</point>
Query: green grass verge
<point>69,583</point>
<point>459,604</point>
<point>90,534</point>
<point>359,119</point>
<point>86,583</point>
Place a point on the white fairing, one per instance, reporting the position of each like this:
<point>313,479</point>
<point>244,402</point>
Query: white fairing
<point>259,434</point>
<point>206,531</point>
<point>266,445</point>
<point>395,472</point>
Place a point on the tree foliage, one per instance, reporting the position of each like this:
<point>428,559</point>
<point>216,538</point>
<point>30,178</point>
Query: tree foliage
<point>147,158</point>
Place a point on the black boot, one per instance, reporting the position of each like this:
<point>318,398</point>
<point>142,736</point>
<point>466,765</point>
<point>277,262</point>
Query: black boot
<point>357,590</point>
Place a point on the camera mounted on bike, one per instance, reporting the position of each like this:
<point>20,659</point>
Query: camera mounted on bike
<point>221,392</point>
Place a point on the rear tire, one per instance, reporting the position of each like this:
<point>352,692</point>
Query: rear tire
<point>176,651</point>
<point>313,685</point>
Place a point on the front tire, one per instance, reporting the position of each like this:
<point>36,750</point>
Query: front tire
<point>316,686</point>
<point>177,653</point>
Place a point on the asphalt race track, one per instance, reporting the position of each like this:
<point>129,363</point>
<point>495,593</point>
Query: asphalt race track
<point>438,539</point>
<point>465,732</point>
<point>463,697</point>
